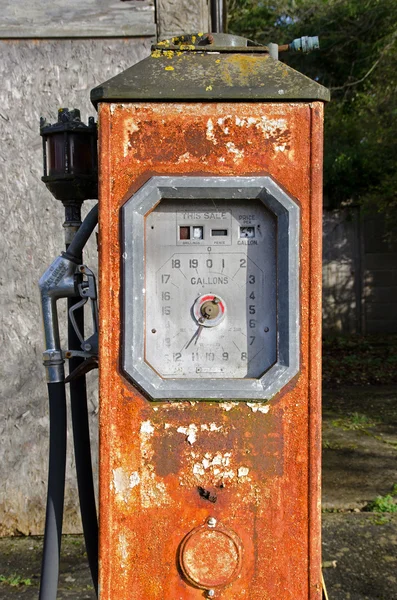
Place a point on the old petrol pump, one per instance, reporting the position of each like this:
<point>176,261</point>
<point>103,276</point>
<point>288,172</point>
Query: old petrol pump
<point>210,206</point>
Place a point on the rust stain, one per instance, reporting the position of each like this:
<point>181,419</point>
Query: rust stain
<point>225,139</point>
<point>166,467</point>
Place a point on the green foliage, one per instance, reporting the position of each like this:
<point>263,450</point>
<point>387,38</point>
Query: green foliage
<point>15,580</point>
<point>382,504</point>
<point>357,60</point>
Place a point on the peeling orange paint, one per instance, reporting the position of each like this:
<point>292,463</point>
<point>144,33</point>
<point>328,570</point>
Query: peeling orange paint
<point>165,468</point>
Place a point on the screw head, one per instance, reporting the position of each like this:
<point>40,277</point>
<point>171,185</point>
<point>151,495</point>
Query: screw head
<point>211,522</point>
<point>210,593</point>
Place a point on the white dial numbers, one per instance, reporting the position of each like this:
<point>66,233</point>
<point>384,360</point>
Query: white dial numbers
<point>210,290</point>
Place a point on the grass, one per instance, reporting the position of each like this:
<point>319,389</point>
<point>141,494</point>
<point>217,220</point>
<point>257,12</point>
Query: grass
<point>384,504</point>
<point>15,580</point>
<point>331,445</point>
<point>355,422</point>
<point>359,360</point>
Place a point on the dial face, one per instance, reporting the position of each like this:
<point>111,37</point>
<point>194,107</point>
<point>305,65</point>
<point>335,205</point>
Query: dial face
<point>210,289</point>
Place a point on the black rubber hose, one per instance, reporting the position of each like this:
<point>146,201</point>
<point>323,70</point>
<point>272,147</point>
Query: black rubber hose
<point>82,450</point>
<point>79,411</point>
<point>80,239</point>
<point>55,492</point>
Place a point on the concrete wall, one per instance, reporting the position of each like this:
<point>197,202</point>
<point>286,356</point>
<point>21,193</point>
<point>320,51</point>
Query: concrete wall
<point>37,77</point>
<point>379,278</point>
<point>359,274</point>
<point>341,271</point>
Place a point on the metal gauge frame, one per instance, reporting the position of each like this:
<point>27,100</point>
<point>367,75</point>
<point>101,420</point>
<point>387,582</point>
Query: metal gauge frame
<point>196,188</point>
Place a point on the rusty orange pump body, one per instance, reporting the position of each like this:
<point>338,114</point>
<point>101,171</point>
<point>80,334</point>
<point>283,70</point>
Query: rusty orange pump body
<point>166,467</point>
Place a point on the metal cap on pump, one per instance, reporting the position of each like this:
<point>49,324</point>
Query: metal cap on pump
<point>208,67</point>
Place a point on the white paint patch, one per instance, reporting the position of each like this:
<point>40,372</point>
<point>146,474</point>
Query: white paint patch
<point>206,463</point>
<point>269,127</point>
<point>123,483</point>
<point>120,481</point>
<point>130,127</point>
<point>243,472</point>
<point>255,407</point>
<point>210,135</point>
<point>134,479</point>
<point>190,432</point>
<point>215,427</point>
<point>227,405</point>
<point>217,464</point>
<point>198,469</point>
<point>184,158</point>
<point>273,128</point>
<point>153,491</point>
<point>123,551</point>
<point>211,427</point>
<point>147,427</point>
<point>177,405</point>
<point>221,123</point>
<point>233,150</point>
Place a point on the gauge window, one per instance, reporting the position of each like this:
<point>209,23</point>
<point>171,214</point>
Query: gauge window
<point>198,233</point>
<point>184,232</point>
<point>211,300</point>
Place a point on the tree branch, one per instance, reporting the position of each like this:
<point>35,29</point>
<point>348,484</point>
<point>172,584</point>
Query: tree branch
<point>384,51</point>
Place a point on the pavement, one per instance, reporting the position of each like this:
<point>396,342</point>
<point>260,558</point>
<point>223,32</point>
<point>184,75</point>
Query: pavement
<point>359,509</point>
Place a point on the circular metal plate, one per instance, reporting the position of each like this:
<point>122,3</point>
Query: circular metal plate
<point>211,557</point>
